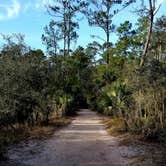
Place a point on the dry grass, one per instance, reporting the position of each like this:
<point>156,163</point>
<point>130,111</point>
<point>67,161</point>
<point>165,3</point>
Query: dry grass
<point>116,127</point>
<point>8,136</point>
<point>40,132</point>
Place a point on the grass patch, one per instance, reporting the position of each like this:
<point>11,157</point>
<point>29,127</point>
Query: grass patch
<point>8,136</point>
<point>115,126</point>
<point>44,131</point>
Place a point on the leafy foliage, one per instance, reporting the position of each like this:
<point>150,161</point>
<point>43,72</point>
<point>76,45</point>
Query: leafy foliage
<point>124,90</point>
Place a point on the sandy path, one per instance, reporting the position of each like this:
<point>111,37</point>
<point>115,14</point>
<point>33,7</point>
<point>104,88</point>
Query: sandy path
<point>84,142</point>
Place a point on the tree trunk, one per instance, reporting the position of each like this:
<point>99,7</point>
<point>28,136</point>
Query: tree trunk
<point>107,47</point>
<point>107,32</point>
<point>65,34</point>
<point>69,33</point>
<point>145,51</point>
<point>55,44</point>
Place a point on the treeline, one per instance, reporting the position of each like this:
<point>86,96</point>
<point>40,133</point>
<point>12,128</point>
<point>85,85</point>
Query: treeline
<point>34,87</point>
<point>129,81</point>
<point>135,94</point>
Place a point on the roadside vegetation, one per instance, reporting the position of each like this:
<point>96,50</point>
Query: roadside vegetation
<point>125,80</point>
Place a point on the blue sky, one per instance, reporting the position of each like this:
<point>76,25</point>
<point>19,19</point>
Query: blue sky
<point>29,17</point>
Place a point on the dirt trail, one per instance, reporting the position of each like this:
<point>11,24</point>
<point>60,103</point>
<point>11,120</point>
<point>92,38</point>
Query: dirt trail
<point>84,142</point>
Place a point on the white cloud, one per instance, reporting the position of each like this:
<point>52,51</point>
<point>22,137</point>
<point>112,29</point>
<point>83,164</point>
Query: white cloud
<point>10,11</point>
<point>159,2</point>
<point>40,4</point>
<point>34,5</point>
<point>27,6</point>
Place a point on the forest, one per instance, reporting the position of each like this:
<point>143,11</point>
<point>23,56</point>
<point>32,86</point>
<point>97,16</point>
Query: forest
<point>125,80</point>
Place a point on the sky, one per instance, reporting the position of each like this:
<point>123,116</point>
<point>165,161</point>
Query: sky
<point>29,17</point>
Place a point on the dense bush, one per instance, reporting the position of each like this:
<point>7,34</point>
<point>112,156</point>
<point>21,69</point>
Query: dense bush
<point>34,87</point>
<point>137,95</point>
<point>148,114</point>
<point>124,89</point>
